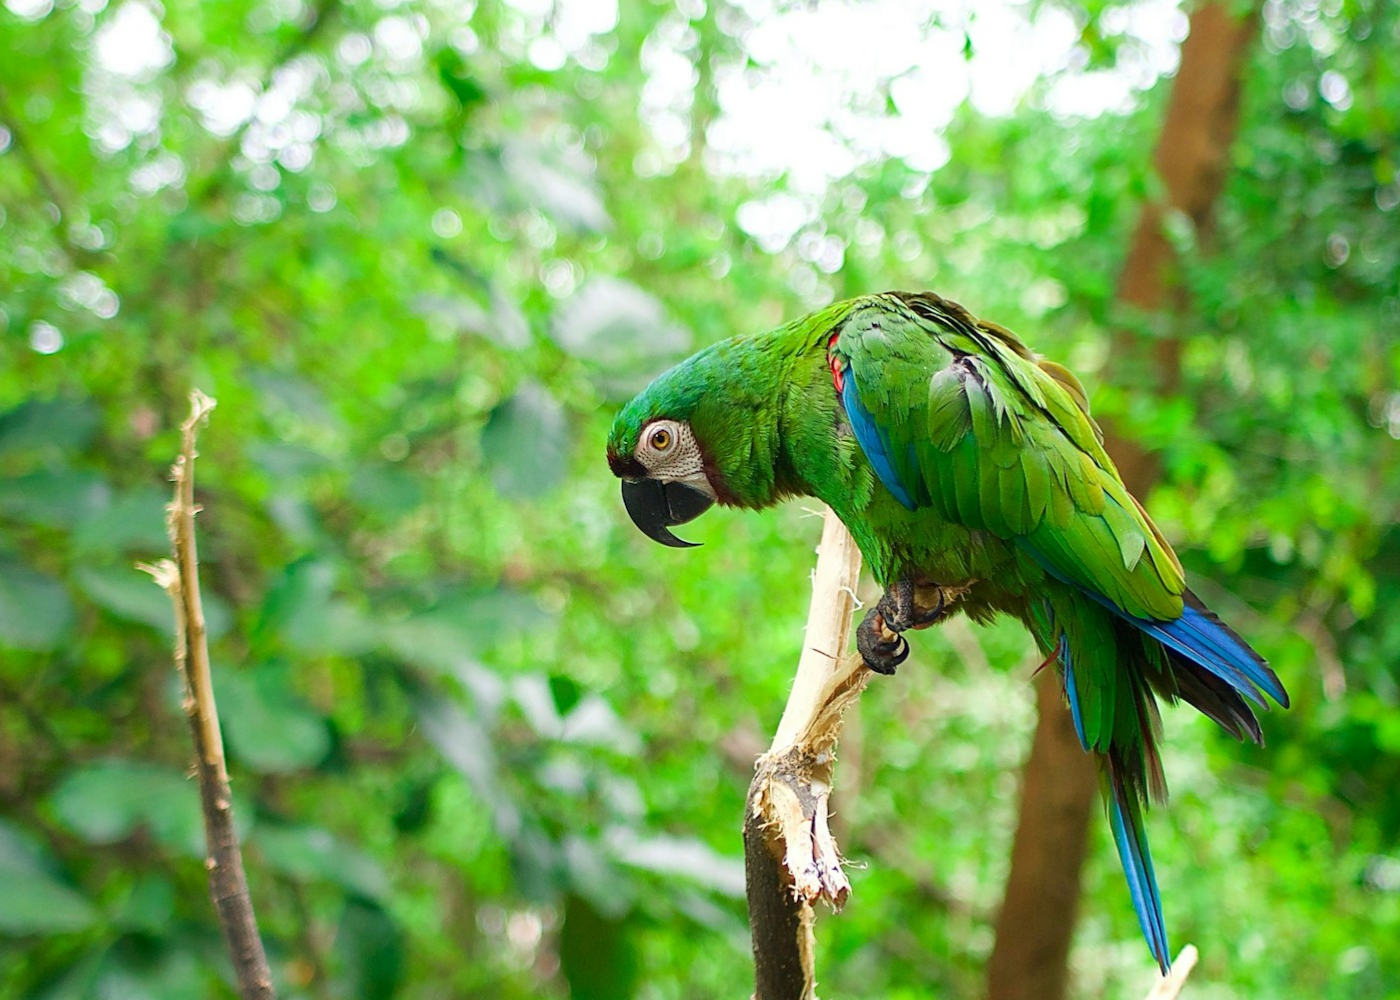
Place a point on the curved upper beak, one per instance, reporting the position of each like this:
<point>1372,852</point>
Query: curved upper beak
<point>655,507</point>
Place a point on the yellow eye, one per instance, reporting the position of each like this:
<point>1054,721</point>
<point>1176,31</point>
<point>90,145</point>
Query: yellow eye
<point>660,439</point>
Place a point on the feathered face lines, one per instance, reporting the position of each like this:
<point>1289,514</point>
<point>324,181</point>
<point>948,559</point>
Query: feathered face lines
<point>668,451</point>
<point>671,487</point>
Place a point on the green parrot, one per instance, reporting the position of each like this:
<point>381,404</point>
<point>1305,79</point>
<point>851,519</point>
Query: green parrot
<point>961,463</point>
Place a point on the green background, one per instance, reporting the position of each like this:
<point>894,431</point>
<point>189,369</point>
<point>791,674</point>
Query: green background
<point>486,739</point>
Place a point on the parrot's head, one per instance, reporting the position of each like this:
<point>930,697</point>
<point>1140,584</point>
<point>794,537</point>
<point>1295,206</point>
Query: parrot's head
<point>667,443</point>
<point>709,430</point>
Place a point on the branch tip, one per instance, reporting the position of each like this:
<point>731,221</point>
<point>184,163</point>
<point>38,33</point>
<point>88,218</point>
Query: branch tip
<point>200,408</point>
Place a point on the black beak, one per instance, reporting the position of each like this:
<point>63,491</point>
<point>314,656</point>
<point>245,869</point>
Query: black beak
<point>655,507</point>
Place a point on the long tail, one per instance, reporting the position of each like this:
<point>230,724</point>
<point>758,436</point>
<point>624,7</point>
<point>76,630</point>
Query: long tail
<point>1215,670</point>
<point>1201,660</point>
<point>1130,836</point>
<point>1118,723</point>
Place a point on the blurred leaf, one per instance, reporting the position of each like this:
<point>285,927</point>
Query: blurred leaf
<point>460,627</point>
<point>159,971</point>
<point>621,331</point>
<point>36,900</point>
<point>130,593</point>
<point>297,518</point>
<point>285,395</point>
<point>593,875</point>
<point>300,611</point>
<point>297,604</point>
<point>566,692</point>
<point>268,726</point>
<point>455,75</point>
<point>76,981</point>
<point>466,744</point>
<point>283,461</point>
<point>21,851</point>
<point>596,953</point>
<point>703,908</point>
<point>107,801</point>
<point>684,857</point>
<point>560,189</point>
<point>521,174</point>
<point>535,865</point>
<point>593,721</point>
<point>503,323</point>
<point>526,443</point>
<point>311,853</point>
<point>532,692</point>
<point>35,610</point>
<point>148,907</point>
<point>48,425</point>
<point>390,490</point>
<point>416,810</point>
<point>370,951</point>
<point>134,522</point>
<point>54,497</point>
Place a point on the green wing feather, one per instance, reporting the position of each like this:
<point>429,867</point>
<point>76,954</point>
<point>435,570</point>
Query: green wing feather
<point>995,439</point>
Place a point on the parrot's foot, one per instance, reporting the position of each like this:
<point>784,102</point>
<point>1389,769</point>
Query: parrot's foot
<point>881,655</point>
<point>902,612</point>
<point>878,637</point>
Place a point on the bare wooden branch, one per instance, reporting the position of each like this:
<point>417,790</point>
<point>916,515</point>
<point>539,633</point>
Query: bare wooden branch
<point>791,858</point>
<point>228,885</point>
<point>1169,986</point>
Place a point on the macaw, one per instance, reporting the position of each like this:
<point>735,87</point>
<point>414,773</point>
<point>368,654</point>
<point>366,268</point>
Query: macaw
<point>962,463</point>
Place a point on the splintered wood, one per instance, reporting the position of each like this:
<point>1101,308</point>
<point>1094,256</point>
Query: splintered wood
<point>791,858</point>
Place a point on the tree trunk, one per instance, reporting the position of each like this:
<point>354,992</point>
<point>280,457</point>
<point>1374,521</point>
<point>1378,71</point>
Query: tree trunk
<point>1029,960</point>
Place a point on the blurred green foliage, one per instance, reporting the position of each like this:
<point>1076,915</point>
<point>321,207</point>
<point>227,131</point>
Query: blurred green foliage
<point>487,740</point>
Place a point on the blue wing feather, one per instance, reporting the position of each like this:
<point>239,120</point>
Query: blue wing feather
<point>1200,637</point>
<point>874,441</point>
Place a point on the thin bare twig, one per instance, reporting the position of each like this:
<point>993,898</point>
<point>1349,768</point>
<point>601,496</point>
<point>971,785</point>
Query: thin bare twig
<point>228,885</point>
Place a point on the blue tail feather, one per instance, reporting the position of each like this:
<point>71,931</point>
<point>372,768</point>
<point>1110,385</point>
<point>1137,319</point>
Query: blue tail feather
<point>1125,815</point>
